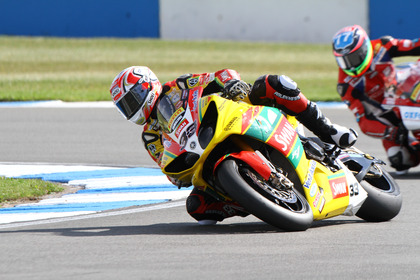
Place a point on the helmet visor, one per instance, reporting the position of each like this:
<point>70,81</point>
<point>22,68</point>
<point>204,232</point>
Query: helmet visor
<point>356,62</point>
<point>354,59</point>
<point>133,100</point>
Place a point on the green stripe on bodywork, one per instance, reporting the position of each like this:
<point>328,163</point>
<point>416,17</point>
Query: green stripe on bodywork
<point>261,127</point>
<point>296,153</point>
<point>337,175</point>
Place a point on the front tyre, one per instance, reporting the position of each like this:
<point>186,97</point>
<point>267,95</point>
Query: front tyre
<point>384,199</point>
<point>285,209</point>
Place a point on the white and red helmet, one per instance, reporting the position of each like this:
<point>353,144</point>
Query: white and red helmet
<point>135,91</point>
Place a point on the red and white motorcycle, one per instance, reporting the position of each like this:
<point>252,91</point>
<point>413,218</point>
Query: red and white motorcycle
<point>405,99</point>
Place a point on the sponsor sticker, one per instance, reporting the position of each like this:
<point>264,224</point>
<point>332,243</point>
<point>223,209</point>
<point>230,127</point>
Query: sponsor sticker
<point>313,190</point>
<point>339,187</point>
<point>310,175</point>
<point>180,127</point>
<point>286,136</point>
<point>321,205</point>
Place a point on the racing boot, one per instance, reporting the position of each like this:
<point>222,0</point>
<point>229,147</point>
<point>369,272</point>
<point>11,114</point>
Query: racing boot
<point>401,158</point>
<point>313,119</point>
<point>208,211</point>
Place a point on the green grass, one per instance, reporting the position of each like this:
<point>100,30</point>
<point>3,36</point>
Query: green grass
<point>14,189</point>
<point>37,68</point>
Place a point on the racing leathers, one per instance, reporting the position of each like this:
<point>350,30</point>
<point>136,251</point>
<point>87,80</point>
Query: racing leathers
<point>271,90</point>
<point>364,95</point>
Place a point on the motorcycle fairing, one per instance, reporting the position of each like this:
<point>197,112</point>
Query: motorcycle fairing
<point>410,117</point>
<point>405,98</point>
<point>271,126</point>
<point>328,192</point>
<point>332,193</point>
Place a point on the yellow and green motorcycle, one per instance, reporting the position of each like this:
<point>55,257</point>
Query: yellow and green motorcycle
<point>254,156</point>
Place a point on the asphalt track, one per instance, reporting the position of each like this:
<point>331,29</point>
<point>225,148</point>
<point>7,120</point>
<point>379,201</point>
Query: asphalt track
<point>162,241</point>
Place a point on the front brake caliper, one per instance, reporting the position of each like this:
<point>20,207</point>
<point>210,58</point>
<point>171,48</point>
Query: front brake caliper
<point>279,179</point>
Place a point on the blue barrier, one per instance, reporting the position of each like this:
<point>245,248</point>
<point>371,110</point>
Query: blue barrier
<point>141,18</point>
<point>80,18</point>
<point>399,19</point>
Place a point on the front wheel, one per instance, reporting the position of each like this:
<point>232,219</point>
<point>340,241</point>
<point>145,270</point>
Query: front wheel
<point>384,199</point>
<point>287,209</point>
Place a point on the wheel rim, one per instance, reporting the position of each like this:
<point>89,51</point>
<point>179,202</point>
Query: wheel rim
<point>285,197</point>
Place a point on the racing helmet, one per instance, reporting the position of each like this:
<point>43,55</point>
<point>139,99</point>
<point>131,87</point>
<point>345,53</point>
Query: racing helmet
<point>135,91</point>
<point>353,50</point>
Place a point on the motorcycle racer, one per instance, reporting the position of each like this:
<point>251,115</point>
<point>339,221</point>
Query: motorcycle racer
<point>366,75</point>
<point>136,91</point>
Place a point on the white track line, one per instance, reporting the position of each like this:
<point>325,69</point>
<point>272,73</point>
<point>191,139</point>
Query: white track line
<point>97,215</point>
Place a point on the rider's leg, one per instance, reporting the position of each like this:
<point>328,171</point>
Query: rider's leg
<point>283,93</point>
<point>400,157</point>
<point>208,211</point>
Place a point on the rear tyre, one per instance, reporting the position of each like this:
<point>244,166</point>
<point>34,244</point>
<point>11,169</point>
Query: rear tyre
<point>286,209</point>
<point>384,199</point>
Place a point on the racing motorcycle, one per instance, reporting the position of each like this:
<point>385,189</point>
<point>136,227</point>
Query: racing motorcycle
<point>403,102</point>
<point>254,156</point>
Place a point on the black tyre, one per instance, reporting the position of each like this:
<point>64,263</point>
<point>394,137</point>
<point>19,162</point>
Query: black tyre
<point>288,210</point>
<point>384,199</point>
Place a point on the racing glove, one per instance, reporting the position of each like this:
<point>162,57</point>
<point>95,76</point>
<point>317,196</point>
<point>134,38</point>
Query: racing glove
<point>236,90</point>
<point>397,134</point>
<point>342,136</point>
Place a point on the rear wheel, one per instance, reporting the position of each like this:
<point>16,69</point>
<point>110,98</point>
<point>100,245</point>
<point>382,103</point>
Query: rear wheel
<point>280,205</point>
<point>384,198</point>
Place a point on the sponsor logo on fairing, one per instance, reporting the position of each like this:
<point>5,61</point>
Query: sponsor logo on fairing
<point>314,189</point>
<point>296,153</point>
<point>310,177</point>
<point>321,205</point>
<point>318,197</point>
<point>286,137</point>
<point>191,129</point>
<point>231,124</point>
<point>412,116</point>
<point>175,119</point>
<point>182,125</point>
<point>339,187</point>
<point>193,145</point>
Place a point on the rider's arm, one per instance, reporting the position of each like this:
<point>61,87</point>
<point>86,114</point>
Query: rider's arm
<point>365,110</point>
<point>401,47</point>
<point>211,82</point>
<point>152,139</point>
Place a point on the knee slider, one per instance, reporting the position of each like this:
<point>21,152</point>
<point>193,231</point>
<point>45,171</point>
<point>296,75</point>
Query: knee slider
<point>192,203</point>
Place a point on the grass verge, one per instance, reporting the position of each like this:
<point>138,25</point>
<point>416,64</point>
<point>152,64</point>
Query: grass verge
<point>28,189</point>
<point>44,68</point>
